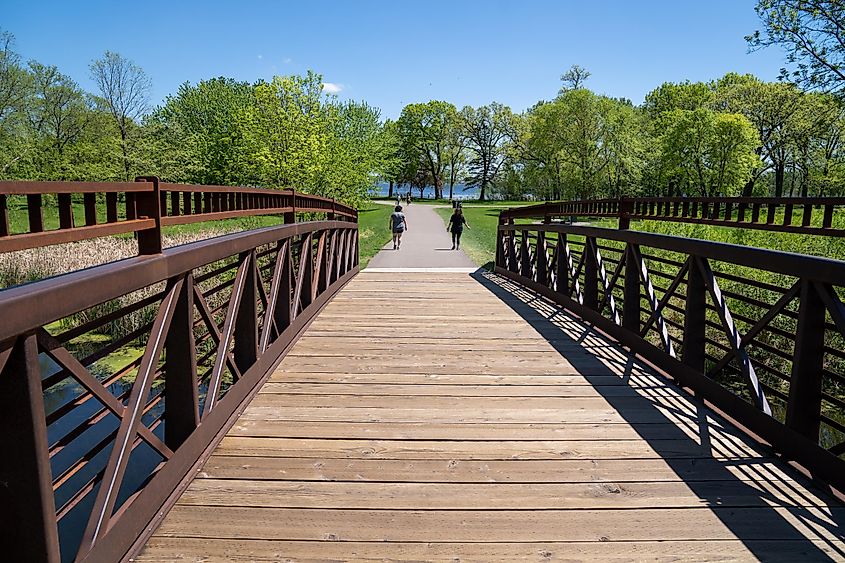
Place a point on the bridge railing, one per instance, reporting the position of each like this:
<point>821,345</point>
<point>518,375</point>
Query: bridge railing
<point>760,334</point>
<point>814,215</point>
<point>117,381</point>
<point>88,210</point>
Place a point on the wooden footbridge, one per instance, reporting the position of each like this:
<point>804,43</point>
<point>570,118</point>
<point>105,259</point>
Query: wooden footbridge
<point>602,395</point>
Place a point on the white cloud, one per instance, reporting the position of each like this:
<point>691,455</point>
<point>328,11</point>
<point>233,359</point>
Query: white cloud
<point>331,88</point>
<point>260,57</point>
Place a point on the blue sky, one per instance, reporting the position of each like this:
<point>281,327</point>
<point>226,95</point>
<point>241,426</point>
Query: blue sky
<point>391,53</point>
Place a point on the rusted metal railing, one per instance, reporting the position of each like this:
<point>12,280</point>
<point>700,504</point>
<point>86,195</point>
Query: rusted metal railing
<point>140,207</point>
<point>760,334</point>
<point>814,216</point>
<point>117,381</point>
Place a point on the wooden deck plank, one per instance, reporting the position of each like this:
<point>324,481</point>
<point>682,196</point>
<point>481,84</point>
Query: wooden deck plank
<point>260,427</point>
<point>509,471</point>
<point>212,550</point>
<point>421,417</point>
<point>491,496</point>
<point>479,526</point>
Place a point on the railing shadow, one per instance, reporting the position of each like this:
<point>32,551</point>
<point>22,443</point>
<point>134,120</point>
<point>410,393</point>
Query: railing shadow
<point>774,501</point>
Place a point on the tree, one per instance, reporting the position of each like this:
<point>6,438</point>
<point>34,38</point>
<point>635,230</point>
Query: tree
<point>425,130</point>
<point>357,151</point>
<point>125,89</point>
<point>456,151</point>
<point>625,147</point>
<point>288,130</point>
<point>772,108</point>
<point>670,96</point>
<point>812,32</point>
<point>486,130</point>
<point>58,115</point>
<point>574,78</point>
<point>205,124</point>
<point>711,153</point>
<point>15,96</point>
<point>15,82</point>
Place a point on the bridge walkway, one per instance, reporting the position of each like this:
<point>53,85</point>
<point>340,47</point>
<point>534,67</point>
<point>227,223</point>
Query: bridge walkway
<point>453,416</point>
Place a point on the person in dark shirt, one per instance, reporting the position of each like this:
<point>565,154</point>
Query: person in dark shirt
<point>456,227</point>
<point>398,225</point>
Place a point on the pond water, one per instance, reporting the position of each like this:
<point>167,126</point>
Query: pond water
<point>141,463</point>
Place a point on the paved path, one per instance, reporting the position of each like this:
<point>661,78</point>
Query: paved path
<point>426,244</point>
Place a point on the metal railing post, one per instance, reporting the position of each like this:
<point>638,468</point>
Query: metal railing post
<point>181,397</point>
<point>695,317</point>
<point>290,216</point>
<point>631,306</point>
<point>148,205</point>
<point>591,274</point>
<point>805,384</point>
<point>626,208</point>
<point>28,528</point>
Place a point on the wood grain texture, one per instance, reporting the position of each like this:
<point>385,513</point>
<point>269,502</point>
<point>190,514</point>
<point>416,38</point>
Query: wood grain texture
<point>437,416</point>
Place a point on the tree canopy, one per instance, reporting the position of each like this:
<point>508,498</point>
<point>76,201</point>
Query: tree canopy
<point>733,135</point>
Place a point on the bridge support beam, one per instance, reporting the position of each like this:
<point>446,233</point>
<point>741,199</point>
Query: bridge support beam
<point>805,383</point>
<point>591,274</point>
<point>632,306</point>
<point>695,315</point>
<point>181,399</point>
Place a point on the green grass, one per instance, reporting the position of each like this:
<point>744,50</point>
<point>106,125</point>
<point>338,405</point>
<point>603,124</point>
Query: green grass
<point>373,232</point>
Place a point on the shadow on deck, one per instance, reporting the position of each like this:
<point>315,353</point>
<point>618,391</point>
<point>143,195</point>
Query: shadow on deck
<point>749,495</point>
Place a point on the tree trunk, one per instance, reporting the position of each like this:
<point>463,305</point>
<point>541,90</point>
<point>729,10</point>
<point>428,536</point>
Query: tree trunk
<point>779,173</point>
<point>748,189</point>
<point>125,155</point>
<point>482,190</point>
<point>390,190</point>
<point>451,186</point>
<point>438,188</point>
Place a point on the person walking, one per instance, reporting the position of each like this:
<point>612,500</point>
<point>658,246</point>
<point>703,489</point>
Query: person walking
<point>398,225</point>
<point>456,227</point>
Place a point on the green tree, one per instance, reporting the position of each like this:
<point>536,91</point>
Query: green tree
<point>204,124</point>
<point>456,150</point>
<point>58,115</point>
<point>124,89</point>
<point>425,131</point>
<point>772,107</point>
<point>573,78</point>
<point>812,32</point>
<point>16,89</point>
<point>711,153</point>
<point>670,96</point>
<point>487,130</point>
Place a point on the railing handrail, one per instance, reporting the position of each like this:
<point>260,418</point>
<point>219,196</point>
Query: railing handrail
<point>614,286</point>
<point>146,205</point>
<point>816,268</point>
<point>32,305</point>
<point>739,212</point>
<point>225,307</point>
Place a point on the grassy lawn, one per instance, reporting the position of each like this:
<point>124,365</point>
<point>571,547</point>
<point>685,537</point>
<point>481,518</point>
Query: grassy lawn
<point>372,231</point>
